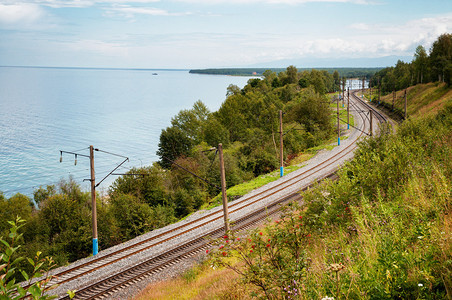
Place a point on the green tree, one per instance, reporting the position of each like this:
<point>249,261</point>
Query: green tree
<point>173,144</point>
<point>133,217</point>
<point>441,57</point>
<point>420,62</point>
<point>147,184</point>
<point>10,209</point>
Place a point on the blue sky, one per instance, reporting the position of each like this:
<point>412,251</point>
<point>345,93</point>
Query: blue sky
<point>213,33</point>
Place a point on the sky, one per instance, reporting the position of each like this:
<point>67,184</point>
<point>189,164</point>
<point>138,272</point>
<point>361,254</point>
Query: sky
<point>189,34</point>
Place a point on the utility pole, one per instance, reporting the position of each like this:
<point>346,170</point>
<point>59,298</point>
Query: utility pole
<point>379,90</point>
<point>348,108</point>
<point>363,86</point>
<point>393,99</point>
<point>405,105</point>
<point>281,150</point>
<point>370,87</point>
<point>371,121</point>
<point>93,200</point>
<point>343,91</point>
<point>223,190</point>
<point>93,186</point>
<point>338,128</point>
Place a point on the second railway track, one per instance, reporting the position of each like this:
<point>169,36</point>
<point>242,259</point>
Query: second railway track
<point>153,252</point>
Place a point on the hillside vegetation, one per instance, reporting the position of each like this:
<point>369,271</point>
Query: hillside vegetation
<point>383,230</point>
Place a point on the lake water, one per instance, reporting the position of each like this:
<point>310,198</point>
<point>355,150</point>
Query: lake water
<point>45,110</point>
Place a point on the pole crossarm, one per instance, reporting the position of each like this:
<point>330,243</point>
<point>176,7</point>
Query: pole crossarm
<point>73,153</point>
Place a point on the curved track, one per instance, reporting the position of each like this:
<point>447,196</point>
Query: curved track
<point>138,259</point>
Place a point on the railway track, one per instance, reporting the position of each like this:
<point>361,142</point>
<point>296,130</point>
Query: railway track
<point>168,246</point>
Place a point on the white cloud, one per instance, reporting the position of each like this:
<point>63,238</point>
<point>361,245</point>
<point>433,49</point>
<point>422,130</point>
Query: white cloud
<point>20,13</point>
<point>129,11</point>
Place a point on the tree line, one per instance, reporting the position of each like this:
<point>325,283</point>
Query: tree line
<point>425,67</point>
<point>247,124</point>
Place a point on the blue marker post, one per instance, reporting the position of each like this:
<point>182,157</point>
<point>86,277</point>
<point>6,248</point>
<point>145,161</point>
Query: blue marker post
<point>95,247</point>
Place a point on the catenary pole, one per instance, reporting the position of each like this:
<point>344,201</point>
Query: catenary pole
<point>223,189</point>
<point>393,99</point>
<point>348,108</point>
<point>338,125</point>
<point>93,200</point>
<point>281,149</point>
<point>371,123</point>
<point>405,105</point>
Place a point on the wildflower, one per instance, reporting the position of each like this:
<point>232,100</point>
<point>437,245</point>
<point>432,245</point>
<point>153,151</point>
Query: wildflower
<point>249,240</point>
<point>207,251</point>
<point>420,284</point>
<point>251,251</point>
<point>224,253</point>
<point>268,245</point>
<point>309,235</point>
<point>301,217</point>
<point>260,233</point>
<point>253,246</point>
<point>238,239</point>
<point>269,240</point>
<point>221,247</point>
<point>225,236</point>
<point>227,241</point>
<point>277,222</point>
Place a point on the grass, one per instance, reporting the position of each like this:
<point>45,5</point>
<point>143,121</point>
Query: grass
<point>200,282</point>
<point>422,100</point>
<point>393,236</point>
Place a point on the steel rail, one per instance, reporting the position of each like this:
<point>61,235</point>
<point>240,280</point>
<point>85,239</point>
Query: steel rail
<point>211,214</point>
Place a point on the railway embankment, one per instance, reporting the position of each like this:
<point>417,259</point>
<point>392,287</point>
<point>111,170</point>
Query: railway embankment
<point>383,229</point>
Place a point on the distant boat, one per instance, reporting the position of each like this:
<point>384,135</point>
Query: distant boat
<point>154,74</point>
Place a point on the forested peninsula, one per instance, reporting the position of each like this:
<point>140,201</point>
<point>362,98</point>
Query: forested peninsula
<point>343,72</point>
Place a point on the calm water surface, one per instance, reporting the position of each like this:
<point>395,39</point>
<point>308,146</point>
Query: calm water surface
<point>44,110</point>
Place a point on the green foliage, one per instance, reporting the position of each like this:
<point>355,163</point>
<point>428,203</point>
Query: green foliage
<point>147,184</point>
<point>273,260</point>
<point>9,261</point>
<point>381,231</point>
